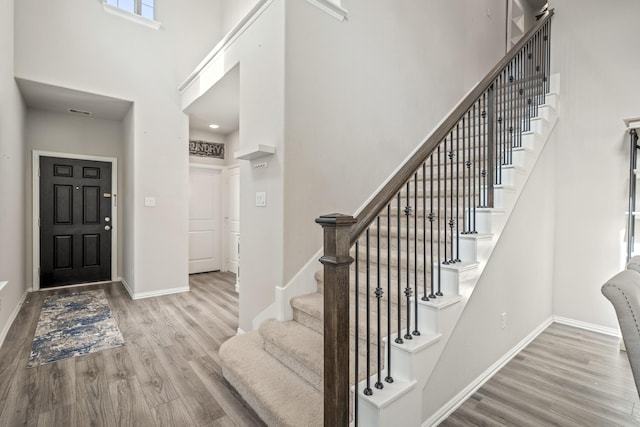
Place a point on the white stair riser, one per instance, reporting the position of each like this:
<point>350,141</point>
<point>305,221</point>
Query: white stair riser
<point>489,221</point>
<point>475,249</point>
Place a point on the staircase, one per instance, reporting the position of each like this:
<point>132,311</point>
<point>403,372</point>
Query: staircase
<point>418,257</point>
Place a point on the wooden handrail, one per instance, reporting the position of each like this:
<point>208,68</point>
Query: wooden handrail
<point>393,186</point>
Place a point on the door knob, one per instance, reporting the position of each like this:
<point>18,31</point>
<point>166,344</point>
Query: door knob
<point>107,227</point>
<point>107,219</point>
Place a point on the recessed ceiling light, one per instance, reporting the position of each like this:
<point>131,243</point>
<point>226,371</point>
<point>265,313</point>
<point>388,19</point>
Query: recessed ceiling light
<point>212,126</point>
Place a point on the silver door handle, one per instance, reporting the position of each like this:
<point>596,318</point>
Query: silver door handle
<point>107,227</point>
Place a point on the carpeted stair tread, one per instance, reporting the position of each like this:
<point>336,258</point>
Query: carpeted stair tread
<point>299,346</point>
<point>309,310</point>
<point>301,350</point>
<point>276,393</point>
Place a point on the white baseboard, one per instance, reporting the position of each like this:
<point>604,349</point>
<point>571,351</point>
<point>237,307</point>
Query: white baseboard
<point>127,288</point>
<point>151,294</point>
<point>240,331</point>
<point>12,317</point>
<point>615,332</point>
<point>453,404</point>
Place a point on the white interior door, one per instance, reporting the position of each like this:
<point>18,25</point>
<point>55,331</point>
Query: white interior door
<point>233,221</point>
<point>204,219</point>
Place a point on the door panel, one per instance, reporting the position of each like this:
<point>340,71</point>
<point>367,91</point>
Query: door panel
<point>233,227</point>
<point>204,220</point>
<point>75,200</point>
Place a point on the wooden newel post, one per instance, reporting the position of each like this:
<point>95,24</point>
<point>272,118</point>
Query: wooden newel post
<point>336,261</point>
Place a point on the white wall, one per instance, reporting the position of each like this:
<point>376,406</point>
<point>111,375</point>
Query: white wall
<point>362,94</point>
<point>233,11</point>
<point>517,281</point>
<point>66,133</point>
<point>260,52</point>
<point>233,145</point>
<point>12,209</point>
<point>594,49</point>
<point>76,44</point>
<point>128,220</point>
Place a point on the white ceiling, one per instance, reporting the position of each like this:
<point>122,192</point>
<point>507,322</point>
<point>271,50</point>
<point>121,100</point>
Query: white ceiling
<point>60,99</point>
<point>219,105</point>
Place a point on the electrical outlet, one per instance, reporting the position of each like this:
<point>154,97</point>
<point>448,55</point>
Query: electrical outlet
<point>503,320</point>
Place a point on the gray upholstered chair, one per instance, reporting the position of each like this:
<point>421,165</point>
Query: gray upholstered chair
<point>634,264</point>
<point>623,290</point>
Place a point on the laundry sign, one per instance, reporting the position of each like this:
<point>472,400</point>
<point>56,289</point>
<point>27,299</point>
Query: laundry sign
<point>206,149</point>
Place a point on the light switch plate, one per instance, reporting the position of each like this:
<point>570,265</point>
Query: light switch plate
<point>149,201</point>
<point>261,199</point>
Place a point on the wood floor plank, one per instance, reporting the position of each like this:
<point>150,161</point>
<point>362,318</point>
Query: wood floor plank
<point>565,377</point>
<point>55,385</point>
<point>173,414</point>
<point>93,403</point>
<point>58,416</point>
<point>131,385</point>
<point>129,405</point>
<point>209,371</point>
<point>202,406</point>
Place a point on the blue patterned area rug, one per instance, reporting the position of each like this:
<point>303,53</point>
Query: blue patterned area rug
<point>72,325</point>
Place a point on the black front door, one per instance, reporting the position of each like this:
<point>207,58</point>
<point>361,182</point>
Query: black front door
<point>75,221</point>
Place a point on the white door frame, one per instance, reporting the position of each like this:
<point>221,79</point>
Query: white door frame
<point>223,203</point>
<point>35,212</point>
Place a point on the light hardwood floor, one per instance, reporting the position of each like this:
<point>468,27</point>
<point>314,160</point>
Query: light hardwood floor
<point>565,377</point>
<point>167,374</point>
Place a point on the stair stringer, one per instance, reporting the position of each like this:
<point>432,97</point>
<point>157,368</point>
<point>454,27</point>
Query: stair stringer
<point>397,403</point>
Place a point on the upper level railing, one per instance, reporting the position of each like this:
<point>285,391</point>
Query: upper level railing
<point>633,177</point>
<point>411,229</point>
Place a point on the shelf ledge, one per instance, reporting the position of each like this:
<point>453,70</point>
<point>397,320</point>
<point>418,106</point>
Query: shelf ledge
<point>255,152</point>
<point>632,122</point>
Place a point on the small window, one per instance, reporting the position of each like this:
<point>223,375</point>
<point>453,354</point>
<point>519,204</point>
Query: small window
<point>143,8</point>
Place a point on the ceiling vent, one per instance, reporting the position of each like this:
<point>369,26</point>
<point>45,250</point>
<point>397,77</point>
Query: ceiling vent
<point>79,112</point>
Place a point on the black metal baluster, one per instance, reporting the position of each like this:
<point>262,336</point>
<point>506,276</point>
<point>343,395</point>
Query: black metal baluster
<point>457,218</point>
<point>424,233</point>
<point>451,222</point>
<point>545,64</point>
<point>525,65</point>
<point>548,27</point>
<point>491,151</point>
<point>530,83</point>
<point>511,108</point>
<point>431,219</point>
<point>415,255</point>
<point>439,293</point>
<point>466,175</point>
<point>476,163</point>
<point>357,334</point>
<point>407,290</point>
<point>399,296</point>
<point>484,152</point>
<point>446,261</point>
<point>367,390</point>
<point>499,132</point>
<point>516,100</point>
<point>389,378</point>
<point>379,294</point>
